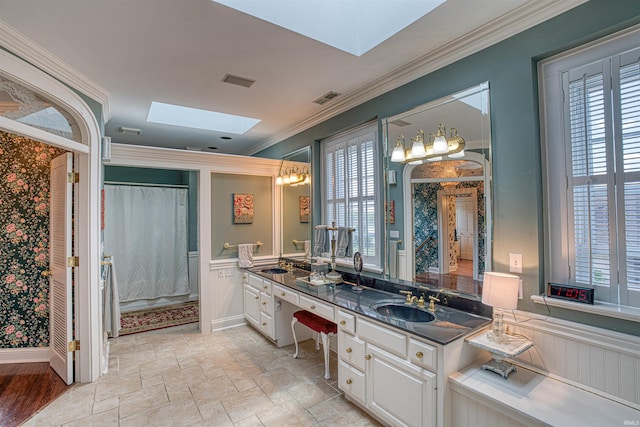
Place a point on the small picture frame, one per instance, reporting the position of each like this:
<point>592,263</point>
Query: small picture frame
<point>304,209</point>
<point>390,208</point>
<point>242,208</point>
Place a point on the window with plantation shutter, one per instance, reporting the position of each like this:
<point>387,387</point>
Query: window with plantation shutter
<point>350,189</point>
<point>591,123</point>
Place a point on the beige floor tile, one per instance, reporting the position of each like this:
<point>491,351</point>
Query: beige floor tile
<point>180,377</point>
<point>139,401</point>
<point>182,412</point>
<point>288,414</point>
<point>245,404</point>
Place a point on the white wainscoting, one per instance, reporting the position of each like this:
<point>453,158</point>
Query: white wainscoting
<point>605,361</point>
<point>593,370</point>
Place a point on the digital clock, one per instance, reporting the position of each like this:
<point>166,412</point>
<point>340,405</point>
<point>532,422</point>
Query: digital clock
<point>570,293</point>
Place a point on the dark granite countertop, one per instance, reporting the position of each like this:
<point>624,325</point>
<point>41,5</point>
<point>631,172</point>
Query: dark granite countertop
<point>449,323</point>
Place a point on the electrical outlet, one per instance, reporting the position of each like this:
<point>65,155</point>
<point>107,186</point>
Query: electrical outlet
<point>515,263</point>
<point>394,234</point>
<point>220,274</point>
<point>229,272</point>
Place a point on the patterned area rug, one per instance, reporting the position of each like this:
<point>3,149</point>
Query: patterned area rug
<point>158,318</point>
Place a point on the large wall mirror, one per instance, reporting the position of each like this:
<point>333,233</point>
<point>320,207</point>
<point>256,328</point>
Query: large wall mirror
<point>294,177</point>
<point>438,226</point>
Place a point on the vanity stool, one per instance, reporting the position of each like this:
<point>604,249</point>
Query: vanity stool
<point>323,328</point>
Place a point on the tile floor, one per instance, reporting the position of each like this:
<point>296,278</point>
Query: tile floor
<point>179,377</point>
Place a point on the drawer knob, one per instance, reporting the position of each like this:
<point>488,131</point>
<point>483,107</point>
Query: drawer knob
<point>419,355</point>
<point>367,357</point>
<point>348,350</point>
<point>342,322</point>
<point>257,297</point>
<point>282,294</point>
<point>349,381</point>
<point>264,323</point>
<point>264,303</point>
<point>265,287</point>
<point>313,307</point>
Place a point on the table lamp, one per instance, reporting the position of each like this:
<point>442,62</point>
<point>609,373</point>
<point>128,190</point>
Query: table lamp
<point>499,291</point>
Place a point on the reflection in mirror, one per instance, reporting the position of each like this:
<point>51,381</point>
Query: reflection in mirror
<point>438,228</point>
<point>294,177</point>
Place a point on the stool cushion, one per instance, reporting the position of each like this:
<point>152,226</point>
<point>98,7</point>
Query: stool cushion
<point>315,322</point>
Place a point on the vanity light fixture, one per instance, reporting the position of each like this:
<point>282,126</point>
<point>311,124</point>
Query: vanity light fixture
<point>293,175</point>
<point>437,147</point>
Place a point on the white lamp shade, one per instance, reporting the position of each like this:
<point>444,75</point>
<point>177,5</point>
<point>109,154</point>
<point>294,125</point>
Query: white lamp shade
<point>417,149</point>
<point>500,290</point>
<point>397,155</point>
<point>440,145</point>
<point>457,155</point>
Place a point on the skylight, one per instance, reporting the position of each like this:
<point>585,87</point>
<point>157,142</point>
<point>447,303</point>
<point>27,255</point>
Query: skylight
<point>177,115</point>
<point>354,26</point>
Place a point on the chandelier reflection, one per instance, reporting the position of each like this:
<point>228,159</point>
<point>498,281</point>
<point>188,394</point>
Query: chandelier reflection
<point>434,149</point>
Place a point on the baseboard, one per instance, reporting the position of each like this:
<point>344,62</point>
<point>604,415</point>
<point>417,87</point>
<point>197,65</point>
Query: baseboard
<point>228,322</point>
<point>24,355</point>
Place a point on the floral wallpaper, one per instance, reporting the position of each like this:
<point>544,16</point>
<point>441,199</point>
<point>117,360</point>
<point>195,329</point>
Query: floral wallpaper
<point>24,241</point>
<point>425,224</point>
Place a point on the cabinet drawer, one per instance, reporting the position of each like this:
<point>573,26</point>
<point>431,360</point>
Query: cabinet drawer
<point>286,294</point>
<point>351,350</point>
<point>393,342</point>
<point>266,324</point>
<point>346,321</point>
<point>317,307</point>
<point>423,354</point>
<point>352,382</point>
<point>260,284</point>
<point>266,303</point>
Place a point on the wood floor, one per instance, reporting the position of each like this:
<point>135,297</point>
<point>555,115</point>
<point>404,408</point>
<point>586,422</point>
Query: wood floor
<point>25,388</point>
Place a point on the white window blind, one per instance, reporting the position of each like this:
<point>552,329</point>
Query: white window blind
<point>350,188</point>
<point>594,215</point>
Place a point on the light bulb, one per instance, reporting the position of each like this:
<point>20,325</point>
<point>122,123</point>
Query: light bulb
<point>279,180</point>
<point>440,145</point>
<point>293,177</point>
<point>286,180</point>
<point>417,149</point>
<point>397,155</point>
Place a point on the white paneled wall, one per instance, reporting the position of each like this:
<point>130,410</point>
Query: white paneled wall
<point>605,361</point>
<point>469,412</point>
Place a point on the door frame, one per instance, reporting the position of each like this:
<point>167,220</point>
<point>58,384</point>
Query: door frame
<point>87,214</point>
<point>407,197</point>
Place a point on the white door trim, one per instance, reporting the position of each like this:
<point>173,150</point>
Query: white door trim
<point>87,222</point>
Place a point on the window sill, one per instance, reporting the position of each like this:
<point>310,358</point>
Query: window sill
<point>599,308</point>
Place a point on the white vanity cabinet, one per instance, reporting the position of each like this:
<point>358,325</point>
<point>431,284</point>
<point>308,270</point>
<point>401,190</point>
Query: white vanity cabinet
<point>383,370</point>
<point>259,304</point>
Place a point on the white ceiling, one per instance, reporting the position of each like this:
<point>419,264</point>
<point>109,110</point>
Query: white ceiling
<point>178,52</point>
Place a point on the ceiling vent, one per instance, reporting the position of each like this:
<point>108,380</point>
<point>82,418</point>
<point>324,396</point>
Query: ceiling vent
<point>237,80</point>
<point>400,123</point>
<point>326,97</point>
<point>129,131</point>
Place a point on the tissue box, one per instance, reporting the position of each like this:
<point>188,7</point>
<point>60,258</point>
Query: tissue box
<point>321,286</point>
<point>320,267</point>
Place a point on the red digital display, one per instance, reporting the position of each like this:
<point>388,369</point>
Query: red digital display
<point>570,293</point>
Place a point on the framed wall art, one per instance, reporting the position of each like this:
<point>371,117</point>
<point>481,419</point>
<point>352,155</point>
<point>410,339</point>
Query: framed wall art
<point>242,208</point>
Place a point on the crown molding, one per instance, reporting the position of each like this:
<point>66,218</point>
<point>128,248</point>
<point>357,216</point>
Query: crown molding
<point>171,158</point>
<point>508,25</point>
<point>20,45</point>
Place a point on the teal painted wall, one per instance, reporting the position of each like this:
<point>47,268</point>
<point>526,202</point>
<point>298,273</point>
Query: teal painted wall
<point>510,69</point>
<point>162,176</point>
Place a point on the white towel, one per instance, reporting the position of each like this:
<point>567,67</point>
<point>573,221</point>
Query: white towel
<point>245,255</point>
<point>111,301</point>
<point>320,241</point>
<point>307,249</point>
<point>344,243</point>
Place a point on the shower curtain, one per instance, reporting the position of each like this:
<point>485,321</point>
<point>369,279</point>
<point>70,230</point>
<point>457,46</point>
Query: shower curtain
<point>146,233</point>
